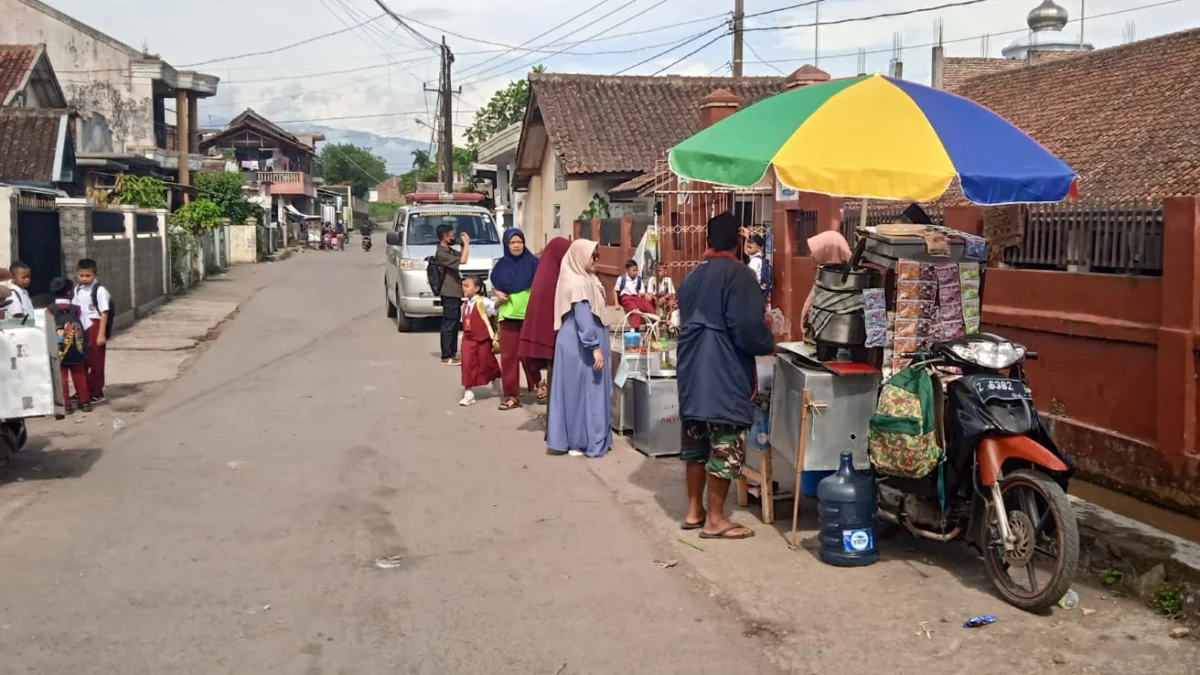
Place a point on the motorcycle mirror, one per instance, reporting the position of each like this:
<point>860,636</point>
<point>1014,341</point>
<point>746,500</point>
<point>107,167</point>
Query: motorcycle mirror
<point>393,238</point>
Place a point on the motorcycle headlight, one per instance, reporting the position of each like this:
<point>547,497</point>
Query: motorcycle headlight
<point>412,264</point>
<point>995,355</point>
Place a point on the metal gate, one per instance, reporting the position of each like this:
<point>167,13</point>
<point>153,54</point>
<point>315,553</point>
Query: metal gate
<point>39,245</point>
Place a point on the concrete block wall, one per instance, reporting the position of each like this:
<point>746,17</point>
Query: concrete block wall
<point>148,272</point>
<point>112,259</point>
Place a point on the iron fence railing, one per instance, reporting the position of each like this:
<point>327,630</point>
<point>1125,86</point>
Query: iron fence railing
<point>1099,236</point>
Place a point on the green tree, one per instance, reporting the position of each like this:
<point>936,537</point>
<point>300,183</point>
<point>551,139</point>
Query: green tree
<point>463,158</point>
<point>200,214</point>
<point>505,108</point>
<point>146,192</point>
<point>226,189</point>
<point>348,164</point>
<point>383,210</point>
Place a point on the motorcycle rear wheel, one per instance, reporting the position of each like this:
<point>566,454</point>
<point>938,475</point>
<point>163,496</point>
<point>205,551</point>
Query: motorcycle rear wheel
<point>1041,519</point>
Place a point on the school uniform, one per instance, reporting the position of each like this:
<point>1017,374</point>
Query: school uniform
<point>630,296</point>
<point>755,263</point>
<point>76,372</point>
<point>18,303</point>
<point>92,311</point>
<point>479,365</point>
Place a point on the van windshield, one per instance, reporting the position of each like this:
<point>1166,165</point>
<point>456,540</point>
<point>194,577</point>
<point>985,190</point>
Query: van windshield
<point>422,227</point>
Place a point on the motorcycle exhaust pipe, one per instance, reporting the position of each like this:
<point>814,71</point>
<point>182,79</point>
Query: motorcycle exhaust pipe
<point>924,534</point>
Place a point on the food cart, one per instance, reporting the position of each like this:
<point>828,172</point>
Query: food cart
<point>32,384</point>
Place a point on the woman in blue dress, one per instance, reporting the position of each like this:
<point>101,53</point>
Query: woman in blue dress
<point>581,391</point>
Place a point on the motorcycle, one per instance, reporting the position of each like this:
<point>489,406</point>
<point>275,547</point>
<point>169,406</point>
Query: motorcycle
<point>366,241</point>
<point>1002,484</point>
<point>12,438</point>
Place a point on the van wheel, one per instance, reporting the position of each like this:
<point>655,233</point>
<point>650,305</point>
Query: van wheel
<point>391,307</point>
<point>403,323</point>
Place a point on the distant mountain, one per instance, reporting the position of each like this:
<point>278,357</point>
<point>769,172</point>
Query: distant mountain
<point>395,151</point>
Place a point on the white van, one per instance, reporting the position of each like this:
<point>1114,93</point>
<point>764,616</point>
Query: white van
<point>413,238</point>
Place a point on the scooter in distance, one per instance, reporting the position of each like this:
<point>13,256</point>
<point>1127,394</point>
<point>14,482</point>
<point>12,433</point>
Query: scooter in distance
<point>366,241</point>
<point>1001,485</point>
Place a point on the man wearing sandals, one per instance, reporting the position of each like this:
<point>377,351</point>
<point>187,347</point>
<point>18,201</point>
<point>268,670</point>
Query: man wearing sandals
<point>722,328</point>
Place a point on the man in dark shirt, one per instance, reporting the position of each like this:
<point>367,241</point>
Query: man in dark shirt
<point>449,260</point>
<point>722,328</point>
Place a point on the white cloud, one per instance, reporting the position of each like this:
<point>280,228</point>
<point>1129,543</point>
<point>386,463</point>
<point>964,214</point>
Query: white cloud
<point>189,32</point>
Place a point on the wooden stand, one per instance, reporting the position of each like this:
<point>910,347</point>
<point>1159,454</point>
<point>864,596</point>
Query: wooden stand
<point>801,443</point>
<point>762,475</point>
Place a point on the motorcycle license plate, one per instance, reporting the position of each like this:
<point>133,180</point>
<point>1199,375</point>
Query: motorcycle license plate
<point>1001,388</point>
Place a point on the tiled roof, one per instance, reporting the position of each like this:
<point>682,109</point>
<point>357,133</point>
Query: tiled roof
<point>641,185</point>
<point>28,143</point>
<point>15,64</point>
<point>1127,118</point>
<point>957,70</point>
<point>622,124</point>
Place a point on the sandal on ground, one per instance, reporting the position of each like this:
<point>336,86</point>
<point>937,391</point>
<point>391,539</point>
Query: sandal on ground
<point>543,393</point>
<point>510,403</point>
<point>724,534</point>
<point>685,525</point>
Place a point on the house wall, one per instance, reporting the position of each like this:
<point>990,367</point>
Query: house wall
<point>92,68</point>
<point>571,201</point>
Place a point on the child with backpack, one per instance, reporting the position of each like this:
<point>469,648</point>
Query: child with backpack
<point>71,325</point>
<point>479,343</point>
<point>95,302</point>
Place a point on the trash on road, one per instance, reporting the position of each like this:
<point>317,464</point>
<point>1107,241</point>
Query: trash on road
<point>1087,612</point>
<point>118,423</point>
<point>1180,632</point>
<point>561,668</point>
<point>1070,600</point>
<point>236,464</point>
<point>685,541</point>
<point>925,629</point>
<point>387,562</point>
<point>665,564</point>
<point>977,621</point>
<point>266,608</point>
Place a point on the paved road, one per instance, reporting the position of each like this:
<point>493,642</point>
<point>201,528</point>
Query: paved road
<point>232,526</point>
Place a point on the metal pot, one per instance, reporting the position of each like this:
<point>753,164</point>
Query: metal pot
<point>830,276</point>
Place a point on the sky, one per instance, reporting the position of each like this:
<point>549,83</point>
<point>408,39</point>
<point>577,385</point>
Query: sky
<point>385,70</point>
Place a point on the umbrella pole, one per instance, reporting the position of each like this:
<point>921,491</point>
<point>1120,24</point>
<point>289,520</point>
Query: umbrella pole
<point>862,214</point>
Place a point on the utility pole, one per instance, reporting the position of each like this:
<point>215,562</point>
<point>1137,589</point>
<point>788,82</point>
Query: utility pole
<point>817,33</point>
<point>445,120</point>
<point>739,16</point>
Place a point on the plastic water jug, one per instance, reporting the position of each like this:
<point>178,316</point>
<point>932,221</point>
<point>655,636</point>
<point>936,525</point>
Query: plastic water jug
<point>633,340</point>
<point>847,507</point>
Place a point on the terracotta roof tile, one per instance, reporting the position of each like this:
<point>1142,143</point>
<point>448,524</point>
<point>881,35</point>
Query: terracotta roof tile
<point>956,71</point>
<point>1127,118</point>
<point>642,185</point>
<point>623,124</point>
<point>28,143</point>
<point>15,63</point>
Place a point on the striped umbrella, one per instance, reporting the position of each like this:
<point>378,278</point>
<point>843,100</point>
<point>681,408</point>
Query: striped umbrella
<point>876,137</point>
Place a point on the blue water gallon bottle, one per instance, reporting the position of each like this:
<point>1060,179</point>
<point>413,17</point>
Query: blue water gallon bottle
<point>847,508</point>
<point>633,340</point>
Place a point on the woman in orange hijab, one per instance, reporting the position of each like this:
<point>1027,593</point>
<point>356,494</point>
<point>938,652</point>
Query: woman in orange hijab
<point>827,248</point>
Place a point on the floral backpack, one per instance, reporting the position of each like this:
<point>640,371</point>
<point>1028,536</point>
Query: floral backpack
<point>903,438</point>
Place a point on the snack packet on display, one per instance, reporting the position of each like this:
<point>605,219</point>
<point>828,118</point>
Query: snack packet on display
<point>969,290</point>
<point>905,346</point>
<point>968,270</point>
<point>908,290</point>
<point>927,291</point>
<point>907,309</point>
<point>876,337</point>
<point>927,310</point>
<point>970,309</point>
<point>906,328</point>
<point>876,319</point>
<point>929,272</point>
<point>873,299</point>
<point>951,312</point>
<point>908,270</point>
<point>952,330</point>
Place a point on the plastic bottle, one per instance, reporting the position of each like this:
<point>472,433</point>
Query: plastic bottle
<point>633,340</point>
<point>848,511</point>
<point>664,349</point>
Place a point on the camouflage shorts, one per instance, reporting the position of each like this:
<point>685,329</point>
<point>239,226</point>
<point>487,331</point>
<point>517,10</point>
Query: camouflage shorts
<point>720,447</point>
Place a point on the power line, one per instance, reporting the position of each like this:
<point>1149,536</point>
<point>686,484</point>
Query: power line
<point>536,37</point>
<point>490,71</point>
<point>757,56</point>
<point>810,3</point>
<point>1014,31</point>
<point>409,29</point>
<point>330,72</point>
<point>688,55</point>
<point>871,17</point>
<point>368,174</point>
<point>280,49</point>
<point>351,117</point>
<point>677,45</point>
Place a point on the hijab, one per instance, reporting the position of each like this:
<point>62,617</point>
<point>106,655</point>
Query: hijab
<point>514,273</point>
<point>538,331</point>
<point>576,284</point>
<point>827,248</point>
